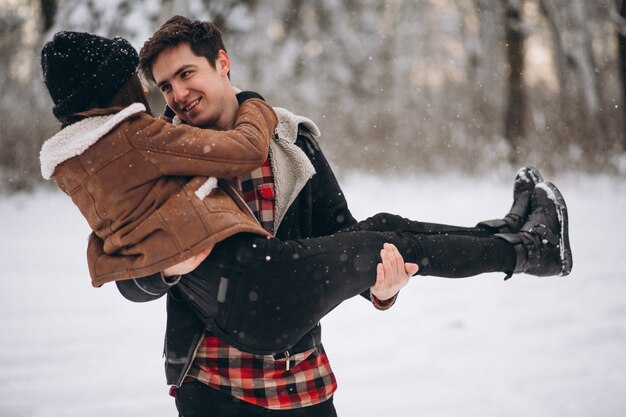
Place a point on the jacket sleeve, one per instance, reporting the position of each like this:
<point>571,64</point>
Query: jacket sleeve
<point>189,151</point>
<point>146,288</point>
<point>330,212</point>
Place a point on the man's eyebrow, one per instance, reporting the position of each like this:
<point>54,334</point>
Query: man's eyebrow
<point>178,71</point>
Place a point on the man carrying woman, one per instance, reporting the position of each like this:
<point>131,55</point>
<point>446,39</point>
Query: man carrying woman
<point>151,194</point>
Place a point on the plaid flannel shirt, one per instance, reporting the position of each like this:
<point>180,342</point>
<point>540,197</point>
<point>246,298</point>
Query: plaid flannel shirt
<point>279,383</point>
<point>257,188</point>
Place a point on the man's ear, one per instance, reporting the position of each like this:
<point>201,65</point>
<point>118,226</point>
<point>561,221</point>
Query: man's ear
<point>222,62</point>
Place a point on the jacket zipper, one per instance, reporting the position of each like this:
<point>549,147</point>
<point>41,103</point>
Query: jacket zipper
<point>288,360</point>
<point>190,362</point>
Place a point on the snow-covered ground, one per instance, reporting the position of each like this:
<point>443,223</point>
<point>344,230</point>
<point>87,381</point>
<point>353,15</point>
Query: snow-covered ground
<point>539,347</point>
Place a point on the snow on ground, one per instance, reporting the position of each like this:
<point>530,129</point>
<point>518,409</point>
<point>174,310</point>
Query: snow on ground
<point>530,346</point>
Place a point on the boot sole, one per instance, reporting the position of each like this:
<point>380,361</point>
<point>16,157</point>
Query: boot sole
<point>561,208</point>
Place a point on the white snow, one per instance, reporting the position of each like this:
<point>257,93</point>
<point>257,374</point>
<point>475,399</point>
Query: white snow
<point>530,346</point>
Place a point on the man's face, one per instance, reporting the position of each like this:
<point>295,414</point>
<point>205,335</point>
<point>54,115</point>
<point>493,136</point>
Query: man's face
<point>198,93</point>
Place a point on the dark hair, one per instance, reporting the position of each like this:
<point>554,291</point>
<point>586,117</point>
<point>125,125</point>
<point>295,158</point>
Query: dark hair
<point>204,39</point>
<point>129,93</point>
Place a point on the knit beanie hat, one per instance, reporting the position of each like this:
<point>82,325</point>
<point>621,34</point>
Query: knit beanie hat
<point>82,70</point>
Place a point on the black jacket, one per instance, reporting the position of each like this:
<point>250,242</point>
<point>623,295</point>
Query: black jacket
<point>320,209</point>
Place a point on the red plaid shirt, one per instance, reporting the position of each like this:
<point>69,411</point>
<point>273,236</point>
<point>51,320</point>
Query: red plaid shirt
<point>257,188</point>
<point>278,383</point>
<point>264,380</point>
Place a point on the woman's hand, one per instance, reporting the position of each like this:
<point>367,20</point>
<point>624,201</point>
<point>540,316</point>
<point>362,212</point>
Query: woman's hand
<point>187,265</point>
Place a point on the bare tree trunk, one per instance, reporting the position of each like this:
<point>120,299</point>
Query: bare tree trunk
<point>582,55</point>
<point>48,9</point>
<point>565,115</point>
<point>483,66</point>
<point>555,23</point>
<point>514,124</point>
<point>621,35</point>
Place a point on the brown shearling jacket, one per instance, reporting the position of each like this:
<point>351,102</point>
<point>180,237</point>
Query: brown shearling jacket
<point>143,185</point>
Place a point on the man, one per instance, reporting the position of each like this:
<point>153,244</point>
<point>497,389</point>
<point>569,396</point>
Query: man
<point>294,195</point>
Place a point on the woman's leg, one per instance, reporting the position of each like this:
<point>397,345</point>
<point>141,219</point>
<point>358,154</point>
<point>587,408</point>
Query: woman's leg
<point>267,294</point>
<point>523,187</point>
<point>263,295</point>
<point>386,222</point>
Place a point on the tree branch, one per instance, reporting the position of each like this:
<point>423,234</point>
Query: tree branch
<point>618,18</point>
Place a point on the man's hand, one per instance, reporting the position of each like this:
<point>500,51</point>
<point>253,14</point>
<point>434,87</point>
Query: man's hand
<point>392,274</point>
<point>187,265</point>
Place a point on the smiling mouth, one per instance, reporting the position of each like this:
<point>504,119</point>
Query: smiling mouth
<point>191,105</point>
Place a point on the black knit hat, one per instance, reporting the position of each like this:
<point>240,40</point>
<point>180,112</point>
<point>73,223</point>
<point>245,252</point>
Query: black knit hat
<point>83,70</point>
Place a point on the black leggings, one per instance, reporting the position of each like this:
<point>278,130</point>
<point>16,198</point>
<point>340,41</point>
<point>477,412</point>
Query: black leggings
<point>262,295</point>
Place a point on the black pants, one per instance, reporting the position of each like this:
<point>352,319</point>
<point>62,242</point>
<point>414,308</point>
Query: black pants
<point>195,399</point>
<point>262,295</point>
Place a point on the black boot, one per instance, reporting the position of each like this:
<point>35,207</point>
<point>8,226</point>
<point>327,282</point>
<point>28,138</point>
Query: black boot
<point>523,187</point>
<point>542,246</point>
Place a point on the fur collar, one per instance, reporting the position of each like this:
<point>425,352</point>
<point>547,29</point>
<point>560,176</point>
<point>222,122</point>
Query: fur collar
<point>290,165</point>
<point>78,137</point>
<point>288,125</point>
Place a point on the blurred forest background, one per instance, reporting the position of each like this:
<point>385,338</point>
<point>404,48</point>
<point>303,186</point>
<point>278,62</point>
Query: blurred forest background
<point>397,86</point>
